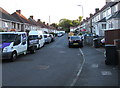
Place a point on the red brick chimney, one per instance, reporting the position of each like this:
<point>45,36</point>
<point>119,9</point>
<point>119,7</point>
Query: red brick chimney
<point>19,11</point>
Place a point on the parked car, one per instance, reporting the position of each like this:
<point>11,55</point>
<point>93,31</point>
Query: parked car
<point>75,41</point>
<point>39,36</point>
<point>52,37</point>
<point>59,34</point>
<point>13,44</point>
<point>47,38</point>
<point>103,41</point>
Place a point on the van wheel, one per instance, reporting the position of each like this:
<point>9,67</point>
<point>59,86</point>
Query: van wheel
<point>69,46</point>
<point>13,57</point>
<point>25,53</point>
<point>32,51</point>
<point>107,62</point>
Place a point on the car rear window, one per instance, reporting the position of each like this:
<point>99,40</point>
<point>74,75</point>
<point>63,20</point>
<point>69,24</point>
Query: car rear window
<point>75,38</point>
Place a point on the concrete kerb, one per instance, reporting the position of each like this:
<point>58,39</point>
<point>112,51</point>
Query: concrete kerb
<point>80,69</point>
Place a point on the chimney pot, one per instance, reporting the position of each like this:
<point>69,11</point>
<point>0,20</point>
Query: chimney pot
<point>97,9</point>
<point>107,1</point>
<point>39,20</point>
<point>31,17</point>
<point>91,14</point>
<point>19,11</point>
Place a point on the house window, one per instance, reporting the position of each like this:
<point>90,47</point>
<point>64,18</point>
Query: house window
<point>18,26</point>
<point>13,25</point>
<point>103,26</point>
<point>109,12</point>
<point>110,25</point>
<point>116,8</point>
<point>5,25</point>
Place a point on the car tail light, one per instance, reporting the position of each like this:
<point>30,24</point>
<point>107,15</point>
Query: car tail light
<point>71,40</point>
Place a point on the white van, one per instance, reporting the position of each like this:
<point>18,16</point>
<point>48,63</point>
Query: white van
<point>38,35</point>
<point>13,44</point>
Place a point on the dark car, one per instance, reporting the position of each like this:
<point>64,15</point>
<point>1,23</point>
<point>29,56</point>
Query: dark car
<point>75,41</point>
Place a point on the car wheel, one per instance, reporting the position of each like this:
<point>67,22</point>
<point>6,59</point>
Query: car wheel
<point>107,62</point>
<point>69,46</point>
<point>13,56</point>
<point>25,53</point>
<point>33,51</point>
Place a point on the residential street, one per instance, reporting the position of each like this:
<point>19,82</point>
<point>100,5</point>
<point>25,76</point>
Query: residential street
<point>53,65</point>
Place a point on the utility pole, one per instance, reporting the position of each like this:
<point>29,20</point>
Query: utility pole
<point>82,11</point>
<point>49,20</point>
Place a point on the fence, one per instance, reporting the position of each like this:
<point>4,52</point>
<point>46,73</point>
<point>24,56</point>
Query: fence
<point>89,40</point>
<point>111,35</point>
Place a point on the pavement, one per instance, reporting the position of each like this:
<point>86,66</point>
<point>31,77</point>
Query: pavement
<point>95,72</point>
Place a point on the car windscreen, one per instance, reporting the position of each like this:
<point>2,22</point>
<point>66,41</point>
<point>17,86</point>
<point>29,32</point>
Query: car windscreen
<point>7,38</point>
<point>75,38</point>
<point>45,36</point>
<point>33,36</point>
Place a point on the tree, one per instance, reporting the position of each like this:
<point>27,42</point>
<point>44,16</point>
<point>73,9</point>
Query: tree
<point>54,25</point>
<point>75,23</point>
<point>65,24</point>
<point>80,19</point>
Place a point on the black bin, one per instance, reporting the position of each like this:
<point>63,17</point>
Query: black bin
<point>111,55</point>
<point>96,43</point>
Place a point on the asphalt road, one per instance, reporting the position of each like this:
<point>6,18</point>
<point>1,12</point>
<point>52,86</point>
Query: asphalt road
<point>53,65</point>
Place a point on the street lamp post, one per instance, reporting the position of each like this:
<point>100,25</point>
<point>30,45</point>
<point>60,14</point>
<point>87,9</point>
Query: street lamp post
<point>82,11</point>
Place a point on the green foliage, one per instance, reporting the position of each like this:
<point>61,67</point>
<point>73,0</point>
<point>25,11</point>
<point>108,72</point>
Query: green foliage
<point>80,19</point>
<point>65,24</point>
<point>54,25</point>
<point>75,23</point>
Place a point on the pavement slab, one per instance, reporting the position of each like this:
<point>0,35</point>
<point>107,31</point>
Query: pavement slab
<point>95,72</point>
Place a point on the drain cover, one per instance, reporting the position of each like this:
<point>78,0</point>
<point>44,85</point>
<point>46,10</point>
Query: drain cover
<point>61,51</point>
<point>44,67</point>
<point>94,65</point>
<point>106,73</point>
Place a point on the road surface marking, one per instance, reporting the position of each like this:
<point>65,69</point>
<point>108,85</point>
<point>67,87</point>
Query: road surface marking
<point>94,65</point>
<point>80,70</point>
<point>62,52</point>
<point>106,73</point>
<point>44,67</point>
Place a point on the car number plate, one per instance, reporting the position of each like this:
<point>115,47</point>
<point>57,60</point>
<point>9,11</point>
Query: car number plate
<point>75,43</point>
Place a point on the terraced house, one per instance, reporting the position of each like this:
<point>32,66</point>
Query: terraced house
<point>19,22</point>
<point>8,22</point>
<point>107,18</point>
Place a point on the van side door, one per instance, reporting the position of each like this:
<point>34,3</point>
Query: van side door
<point>17,44</point>
<point>24,42</point>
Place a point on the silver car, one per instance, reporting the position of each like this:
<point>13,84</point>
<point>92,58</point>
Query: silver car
<point>47,38</point>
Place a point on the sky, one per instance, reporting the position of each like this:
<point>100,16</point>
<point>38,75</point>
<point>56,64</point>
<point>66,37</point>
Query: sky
<point>51,11</point>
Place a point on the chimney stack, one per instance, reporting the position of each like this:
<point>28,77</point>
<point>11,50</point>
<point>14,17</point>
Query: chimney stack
<point>91,14</point>
<point>19,11</point>
<point>47,24</point>
<point>31,17</point>
<point>107,1</point>
<point>39,20</point>
<point>83,20</point>
<point>96,10</point>
<point>43,22</point>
